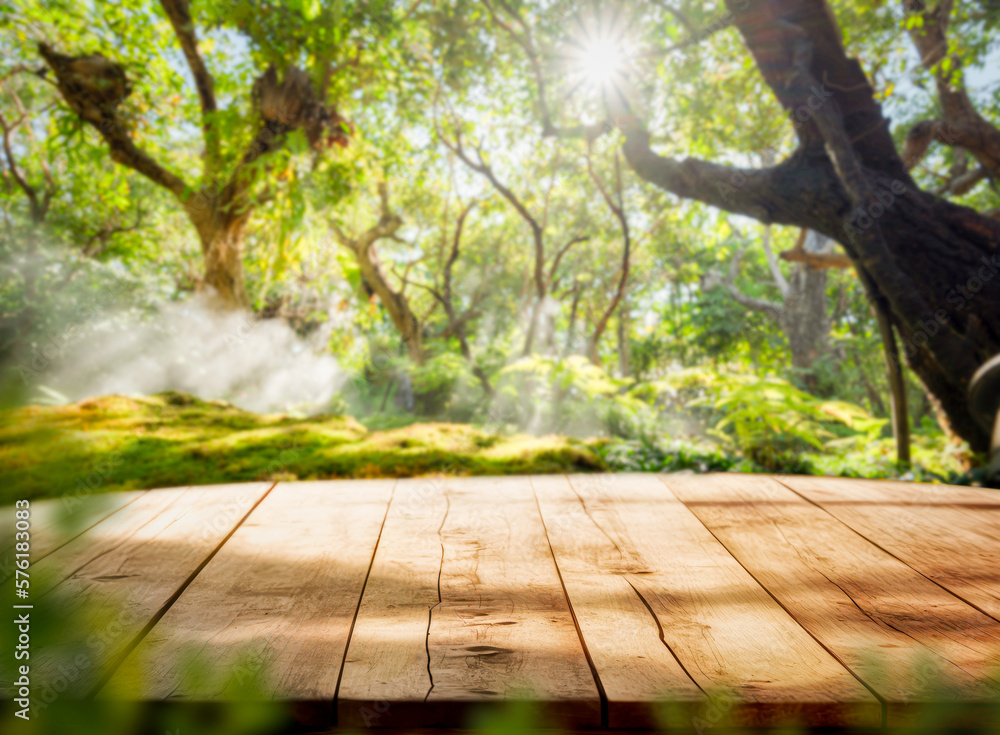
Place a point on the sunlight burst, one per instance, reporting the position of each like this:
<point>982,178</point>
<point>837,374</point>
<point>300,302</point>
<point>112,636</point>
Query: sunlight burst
<point>601,60</point>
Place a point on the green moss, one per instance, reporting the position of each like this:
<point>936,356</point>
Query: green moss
<point>117,443</point>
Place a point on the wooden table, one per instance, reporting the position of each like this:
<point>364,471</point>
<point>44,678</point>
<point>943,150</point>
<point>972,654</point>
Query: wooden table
<point>616,601</point>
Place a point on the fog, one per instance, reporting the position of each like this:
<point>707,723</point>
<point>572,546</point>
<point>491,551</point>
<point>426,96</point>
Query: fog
<point>259,365</point>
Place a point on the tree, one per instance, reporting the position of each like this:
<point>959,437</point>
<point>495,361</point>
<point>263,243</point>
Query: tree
<point>960,126</point>
<point>616,204</point>
<point>439,264</point>
<point>444,292</point>
<point>39,193</point>
<point>546,263</point>
<point>219,206</point>
<point>802,313</point>
<point>926,261</point>
<point>373,274</point>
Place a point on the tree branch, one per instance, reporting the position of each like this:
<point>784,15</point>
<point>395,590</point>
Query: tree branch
<point>374,277</point>
<point>178,12</point>
<point>964,182</point>
<point>456,324</point>
<point>743,299</point>
<point>557,258</point>
<point>37,206</point>
<point>537,228</point>
<point>962,124</point>
<point>484,169</point>
<point>930,38</point>
<point>387,225</point>
<point>284,106</point>
<point>772,263</point>
<point>697,35</point>
<point>757,193</point>
<point>817,261</point>
<point>524,39</point>
<point>108,231</point>
<point>452,258</point>
<point>618,210</point>
<point>94,87</point>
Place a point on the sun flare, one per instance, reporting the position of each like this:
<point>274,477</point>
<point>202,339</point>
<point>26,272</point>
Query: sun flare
<point>601,60</point>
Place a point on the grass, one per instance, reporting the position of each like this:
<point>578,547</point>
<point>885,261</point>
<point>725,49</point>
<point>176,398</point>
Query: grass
<point>170,439</point>
<point>120,443</point>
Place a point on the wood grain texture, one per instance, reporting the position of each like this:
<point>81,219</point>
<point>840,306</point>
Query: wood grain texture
<point>271,613</point>
<point>639,673</point>
<point>385,670</point>
<point>95,595</point>
<point>737,600</point>
<point>912,642</point>
<point>949,534</point>
<point>495,626</point>
<point>56,522</point>
<point>735,641</point>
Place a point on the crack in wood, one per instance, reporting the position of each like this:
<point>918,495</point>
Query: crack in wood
<point>659,630</point>
<point>430,610</point>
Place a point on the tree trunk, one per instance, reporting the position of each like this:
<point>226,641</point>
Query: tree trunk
<point>533,317</point>
<point>624,346</point>
<point>804,318</point>
<point>932,261</point>
<point>395,303</point>
<point>591,350</point>
<point>570,346</point>
<point>365,251</point>
<point>897,388</point>
<point>222,247</point>
<point>805,321</point>
<point>802,312</point>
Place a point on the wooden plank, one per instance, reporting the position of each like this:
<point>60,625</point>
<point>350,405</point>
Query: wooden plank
<point>463,608</point>
<point>94,596</point>
<point>979,506</point>
<point>735,641</point>
<point>951,535</point>
<point>636,668</point>
<point>271,613</point>
<point>503,628</point>
<point>56,522</point>
<point>912,642</point>
<point>386,659</point>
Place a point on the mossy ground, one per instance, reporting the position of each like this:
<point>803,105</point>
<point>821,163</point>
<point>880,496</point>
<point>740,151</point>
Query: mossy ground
<point>119,443</point>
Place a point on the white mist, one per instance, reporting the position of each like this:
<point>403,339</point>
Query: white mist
<point>258,365</point>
